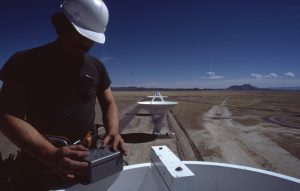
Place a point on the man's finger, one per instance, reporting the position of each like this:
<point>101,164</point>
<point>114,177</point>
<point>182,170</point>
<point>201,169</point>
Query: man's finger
<point>122,147</point>
<point>63,171</point>
<point>105,141</point>
<point>65,176</point>
<point>116,142</point>
<point>73,164</point>
<point>78,147</point>
<point>75,153</point>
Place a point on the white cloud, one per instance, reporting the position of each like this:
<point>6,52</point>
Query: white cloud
<point>257,76</point>
<point>289,74</point>
<point>272,75</point>
<point>262,76</point>
<point>212,76</point>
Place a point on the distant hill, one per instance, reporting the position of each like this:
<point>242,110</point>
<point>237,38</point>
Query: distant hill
<point>243,87</point>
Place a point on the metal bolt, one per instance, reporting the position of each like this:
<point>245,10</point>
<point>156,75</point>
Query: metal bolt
<point>178,169</point>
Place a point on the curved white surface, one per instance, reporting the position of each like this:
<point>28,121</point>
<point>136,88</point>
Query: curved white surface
<point>212,176</point>
<point>209,176</point>
<point>157,103</point>
<point>239,167</point>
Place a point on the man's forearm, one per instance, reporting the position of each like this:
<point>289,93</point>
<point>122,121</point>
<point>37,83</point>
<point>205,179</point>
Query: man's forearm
<point>111,119</point>
<point>26,137</point>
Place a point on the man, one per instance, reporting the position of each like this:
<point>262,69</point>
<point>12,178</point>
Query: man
<point>52,90</point>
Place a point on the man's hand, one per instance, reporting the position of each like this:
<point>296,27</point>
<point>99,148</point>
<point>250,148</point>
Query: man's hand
<point>111,122</point>
<point>117,143</point>
<point>65,161</point>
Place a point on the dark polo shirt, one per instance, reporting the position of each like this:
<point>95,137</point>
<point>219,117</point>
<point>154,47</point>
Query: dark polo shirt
<point>58,92</point>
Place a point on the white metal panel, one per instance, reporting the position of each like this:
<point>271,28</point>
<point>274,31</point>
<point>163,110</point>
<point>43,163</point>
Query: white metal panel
<point>175,173</point>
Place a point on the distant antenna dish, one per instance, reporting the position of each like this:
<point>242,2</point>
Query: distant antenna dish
<point>158,108</point>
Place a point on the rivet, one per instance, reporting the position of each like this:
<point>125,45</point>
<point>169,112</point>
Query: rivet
<point>178,169</point>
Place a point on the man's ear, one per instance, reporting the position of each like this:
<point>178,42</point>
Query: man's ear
<point>61,23</point>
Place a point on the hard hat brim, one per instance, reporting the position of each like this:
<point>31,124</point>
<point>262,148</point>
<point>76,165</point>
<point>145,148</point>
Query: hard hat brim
<point>94,36</point>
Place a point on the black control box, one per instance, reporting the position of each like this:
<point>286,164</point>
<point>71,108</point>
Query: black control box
<point>103,162</point>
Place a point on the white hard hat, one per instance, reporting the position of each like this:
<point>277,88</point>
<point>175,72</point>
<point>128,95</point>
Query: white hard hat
<point>89,17</point>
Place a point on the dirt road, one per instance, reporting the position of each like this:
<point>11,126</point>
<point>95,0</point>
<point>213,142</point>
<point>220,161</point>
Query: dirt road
<point>277,119</point>
<point>246,145</point>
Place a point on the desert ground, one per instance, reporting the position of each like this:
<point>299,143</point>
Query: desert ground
<point>258,129</point>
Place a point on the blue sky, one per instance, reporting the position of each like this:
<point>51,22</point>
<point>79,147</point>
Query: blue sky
<point>178,44</point>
